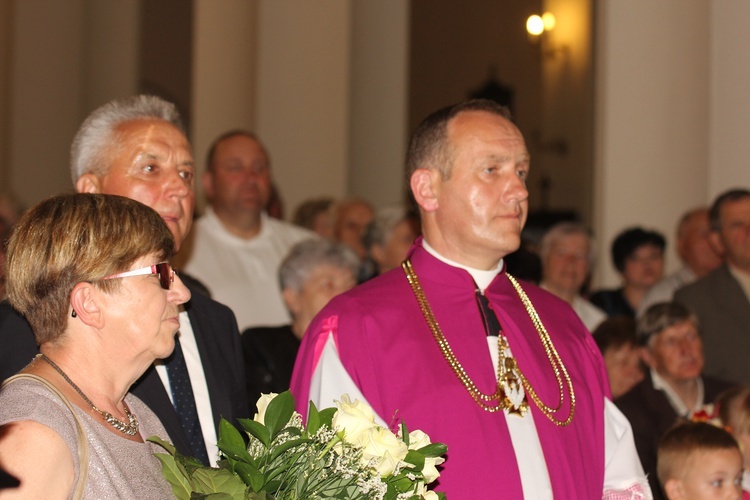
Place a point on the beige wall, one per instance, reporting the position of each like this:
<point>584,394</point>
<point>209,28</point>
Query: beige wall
<point>729,96</point>
<point>378,111</point>
<point>67,58</point>
<point>46,73</point>
<point>225,59</point>
<point>302,95</point>
<point>6,14</point>
<point>652,109</point>
<point>110,51</point>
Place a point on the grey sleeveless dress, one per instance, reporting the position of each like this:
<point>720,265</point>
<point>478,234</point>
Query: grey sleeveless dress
<point>118,468</point>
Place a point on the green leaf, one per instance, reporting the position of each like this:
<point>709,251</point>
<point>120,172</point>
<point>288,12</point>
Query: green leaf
<point>257,430</point>
<point>313,419</point>
<point>401,483</point>
<point>164,444</point>
<point>219,481</point>
<point>433,450</point>
<point>278,413</point>
<point>231,443</point>
<point>259,496</point>
<point>173,474</point>
<point>415,458</point>
<point>404,433</point>
<point>284,447</point>
<point>326,417</point>
<point>250,475</point>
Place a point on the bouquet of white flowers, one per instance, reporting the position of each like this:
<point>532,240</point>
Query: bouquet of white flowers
<point>342,453</point>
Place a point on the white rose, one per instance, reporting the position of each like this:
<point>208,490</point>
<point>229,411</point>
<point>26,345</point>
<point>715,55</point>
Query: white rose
<point>382,446</point>
<point>429,471</point>
<point>262,404</point>
<point>418,439</point>
<point>421,491</point>
<point>354,419</point>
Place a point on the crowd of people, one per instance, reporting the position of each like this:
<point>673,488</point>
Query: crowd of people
<point>549,389</point>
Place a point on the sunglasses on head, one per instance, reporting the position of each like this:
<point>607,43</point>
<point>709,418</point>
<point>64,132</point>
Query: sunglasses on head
<point>163,270</point>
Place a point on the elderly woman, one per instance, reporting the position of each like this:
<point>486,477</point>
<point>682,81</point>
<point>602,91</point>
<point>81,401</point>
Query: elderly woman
<point>388,239</point>
<point>91,274</point>
<point>312,274</point>
<point>674,385</point>
<point>567,255</point>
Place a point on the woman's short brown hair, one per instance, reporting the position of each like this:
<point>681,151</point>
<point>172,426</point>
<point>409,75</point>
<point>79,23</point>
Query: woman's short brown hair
<point>75,238</point>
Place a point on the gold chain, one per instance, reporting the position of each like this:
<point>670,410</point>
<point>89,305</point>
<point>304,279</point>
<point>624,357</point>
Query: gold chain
<point>499,400</point>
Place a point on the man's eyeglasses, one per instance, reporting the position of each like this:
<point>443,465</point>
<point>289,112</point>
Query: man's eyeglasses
<point>163,269</point>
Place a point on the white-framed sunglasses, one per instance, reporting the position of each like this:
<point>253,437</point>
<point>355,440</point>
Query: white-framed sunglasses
<point>164,270</point>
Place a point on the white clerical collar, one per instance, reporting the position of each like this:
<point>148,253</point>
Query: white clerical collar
<point>481,277</point>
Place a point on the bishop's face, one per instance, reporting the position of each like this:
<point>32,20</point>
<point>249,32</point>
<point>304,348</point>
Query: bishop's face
<point>483,204</point>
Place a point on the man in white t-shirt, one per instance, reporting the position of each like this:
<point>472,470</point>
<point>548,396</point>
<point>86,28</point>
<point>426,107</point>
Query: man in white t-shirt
<point>237,247</point>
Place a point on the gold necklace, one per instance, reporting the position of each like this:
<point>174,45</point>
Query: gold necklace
<point>131,428</point>
<point>507,366</point>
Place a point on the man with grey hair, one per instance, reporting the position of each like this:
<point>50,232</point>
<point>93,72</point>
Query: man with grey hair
<point>567,256</point>
<point>135,147</point>
<point>313,272</point>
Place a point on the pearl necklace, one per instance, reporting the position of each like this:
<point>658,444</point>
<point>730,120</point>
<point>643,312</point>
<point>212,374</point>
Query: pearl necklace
<point>508,371</point>
<point>131,428</point>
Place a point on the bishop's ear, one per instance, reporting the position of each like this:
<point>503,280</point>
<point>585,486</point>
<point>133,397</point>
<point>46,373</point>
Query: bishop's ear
<point>425,186</point>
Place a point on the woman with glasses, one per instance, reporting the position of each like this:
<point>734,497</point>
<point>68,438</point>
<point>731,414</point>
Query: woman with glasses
<point>91,274</point>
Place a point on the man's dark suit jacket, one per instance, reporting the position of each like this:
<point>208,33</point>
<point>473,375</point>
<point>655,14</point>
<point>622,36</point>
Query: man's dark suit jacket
<point>651,415</point>
<point>724,317</point>
<point>218,339</point>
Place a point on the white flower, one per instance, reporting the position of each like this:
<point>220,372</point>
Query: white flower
<point>417,440</point>
<point>262,404</point>
<point>429,471</point>
<point>354,419</point>
<point>383,449</point>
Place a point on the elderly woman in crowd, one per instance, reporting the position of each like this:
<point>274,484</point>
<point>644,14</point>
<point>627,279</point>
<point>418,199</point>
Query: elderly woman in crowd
<point>567,255</point>
<point>674,386</point>
<point>388,239</point>
<point>312,274</point>
<point>91,274</point>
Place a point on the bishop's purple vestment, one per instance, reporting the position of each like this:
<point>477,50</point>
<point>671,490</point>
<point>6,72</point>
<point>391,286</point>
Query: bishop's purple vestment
<point>388,350</point>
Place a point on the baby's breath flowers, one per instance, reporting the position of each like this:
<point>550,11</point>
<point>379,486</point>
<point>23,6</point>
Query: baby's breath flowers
<point>342,453</point>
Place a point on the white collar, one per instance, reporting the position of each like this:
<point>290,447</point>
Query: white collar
<point>674,400</point>
<point>481,277</point>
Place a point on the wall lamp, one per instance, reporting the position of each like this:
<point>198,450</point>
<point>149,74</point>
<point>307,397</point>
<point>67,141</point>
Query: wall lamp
<point>538,28</point>
<point>536,24</point>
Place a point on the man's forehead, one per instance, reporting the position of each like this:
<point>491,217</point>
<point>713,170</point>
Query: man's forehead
<point>152,137</point>
<point>486,127</point>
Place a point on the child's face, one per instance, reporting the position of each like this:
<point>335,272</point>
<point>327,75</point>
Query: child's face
<point>708,475</point>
